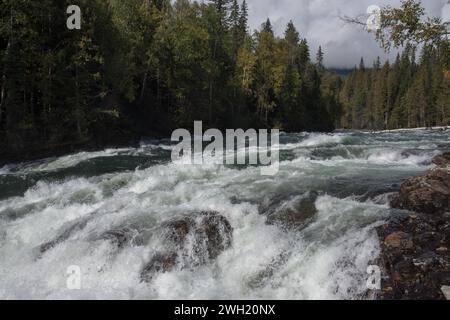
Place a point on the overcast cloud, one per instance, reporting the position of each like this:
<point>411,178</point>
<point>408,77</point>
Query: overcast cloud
<point>318,21</point>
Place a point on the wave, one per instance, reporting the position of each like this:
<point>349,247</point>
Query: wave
<point>315,140</point>
<point>326,259</point>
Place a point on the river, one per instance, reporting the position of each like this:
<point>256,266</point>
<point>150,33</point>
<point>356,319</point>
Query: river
<point>352,175</point>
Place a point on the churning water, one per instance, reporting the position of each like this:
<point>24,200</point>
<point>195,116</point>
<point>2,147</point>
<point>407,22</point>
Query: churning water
<point>72,200</point>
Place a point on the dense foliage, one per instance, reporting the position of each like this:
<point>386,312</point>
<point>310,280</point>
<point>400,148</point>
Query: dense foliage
<point>141,66</point>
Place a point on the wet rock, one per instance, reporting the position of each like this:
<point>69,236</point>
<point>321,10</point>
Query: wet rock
<point>261,278</point>
<point>429,193</point>
<point>413,261</point>
<point>398,240</point>
<point>64,235</point>
<point>124,237</point>
<point>160,263</point>
<point>294,214</point>
<point>442,160</point>
<point>176,231</point>
<point>426,194</point>
<point>216,232</point>
<point>190,242</point>
<point>136,231</point>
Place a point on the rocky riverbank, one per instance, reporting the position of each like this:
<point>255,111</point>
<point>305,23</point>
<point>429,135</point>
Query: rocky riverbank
<point>415,243</point>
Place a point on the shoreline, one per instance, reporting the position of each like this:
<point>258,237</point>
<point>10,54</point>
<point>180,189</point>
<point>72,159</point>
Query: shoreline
<point>91,145</point>
<point>437,128</point>
<point>415,242</point>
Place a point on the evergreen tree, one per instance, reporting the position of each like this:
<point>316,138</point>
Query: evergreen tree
<point>243,19</point>
<point>267,27</point>
<point>319,59</point>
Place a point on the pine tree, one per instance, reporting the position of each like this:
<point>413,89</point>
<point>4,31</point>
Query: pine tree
<point>222,8</point>
<point>267,27</point>
<point>243,18</point>
<point>319,59</point>
<point>292,38</point>
<point>304,56</point>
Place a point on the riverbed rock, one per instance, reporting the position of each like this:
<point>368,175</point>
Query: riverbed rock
<point>426,194</point>
<point>400,240</point>
<point>159,263</point>
<point>67,231</point>
<point>295,213</point>
<point>442,160</point>
<point>413,261</point>
<point>414,246</point>
<point>190,241</point>
<point>216,232</point>
<point>123,237</point>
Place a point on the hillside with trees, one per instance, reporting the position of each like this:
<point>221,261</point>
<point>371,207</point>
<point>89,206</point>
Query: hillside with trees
<point>138,67</point>
<point>409,93</point>
<point>413,91</point>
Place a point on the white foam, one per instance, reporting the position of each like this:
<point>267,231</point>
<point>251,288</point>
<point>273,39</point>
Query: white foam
<point>327,260</point>
<point>316,139</point>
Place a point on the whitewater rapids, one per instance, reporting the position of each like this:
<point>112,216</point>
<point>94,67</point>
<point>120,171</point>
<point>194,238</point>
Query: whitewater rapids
<point>353,173</point>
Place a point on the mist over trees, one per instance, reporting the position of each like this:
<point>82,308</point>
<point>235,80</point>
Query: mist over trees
<point>142,66</point>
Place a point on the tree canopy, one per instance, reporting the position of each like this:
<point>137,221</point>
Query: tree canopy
<point>142,66</point>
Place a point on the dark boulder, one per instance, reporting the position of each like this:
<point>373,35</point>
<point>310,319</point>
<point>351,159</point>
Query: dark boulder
<point>414,258</point>
<point>426,194</point>
<point>176,231</point>
<point>160,263</point>
<point>216,233</point>
<point>442,160</point>
<point>190,242</point>
<point>415,247</point>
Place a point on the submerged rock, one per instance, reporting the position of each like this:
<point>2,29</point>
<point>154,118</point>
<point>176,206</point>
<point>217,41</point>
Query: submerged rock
<point>294,214</point>
<point>65,234</point>
<point>216,233</point>
<point>261,278</point>
<point>190,242</point>
<point>123,237</point>
<point>160,263</point>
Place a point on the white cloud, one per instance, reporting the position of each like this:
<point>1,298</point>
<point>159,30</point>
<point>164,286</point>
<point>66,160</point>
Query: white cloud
<point>446,13</point>
<point>319,22</point>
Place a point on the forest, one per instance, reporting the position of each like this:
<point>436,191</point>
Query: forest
<point>146,67</point>
<point>411,92</point>
<point>141,67</point>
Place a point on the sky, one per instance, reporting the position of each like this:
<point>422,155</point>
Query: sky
<point>319,21</point>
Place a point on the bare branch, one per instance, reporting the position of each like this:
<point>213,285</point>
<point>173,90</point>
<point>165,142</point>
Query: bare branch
<point>354,20</point>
